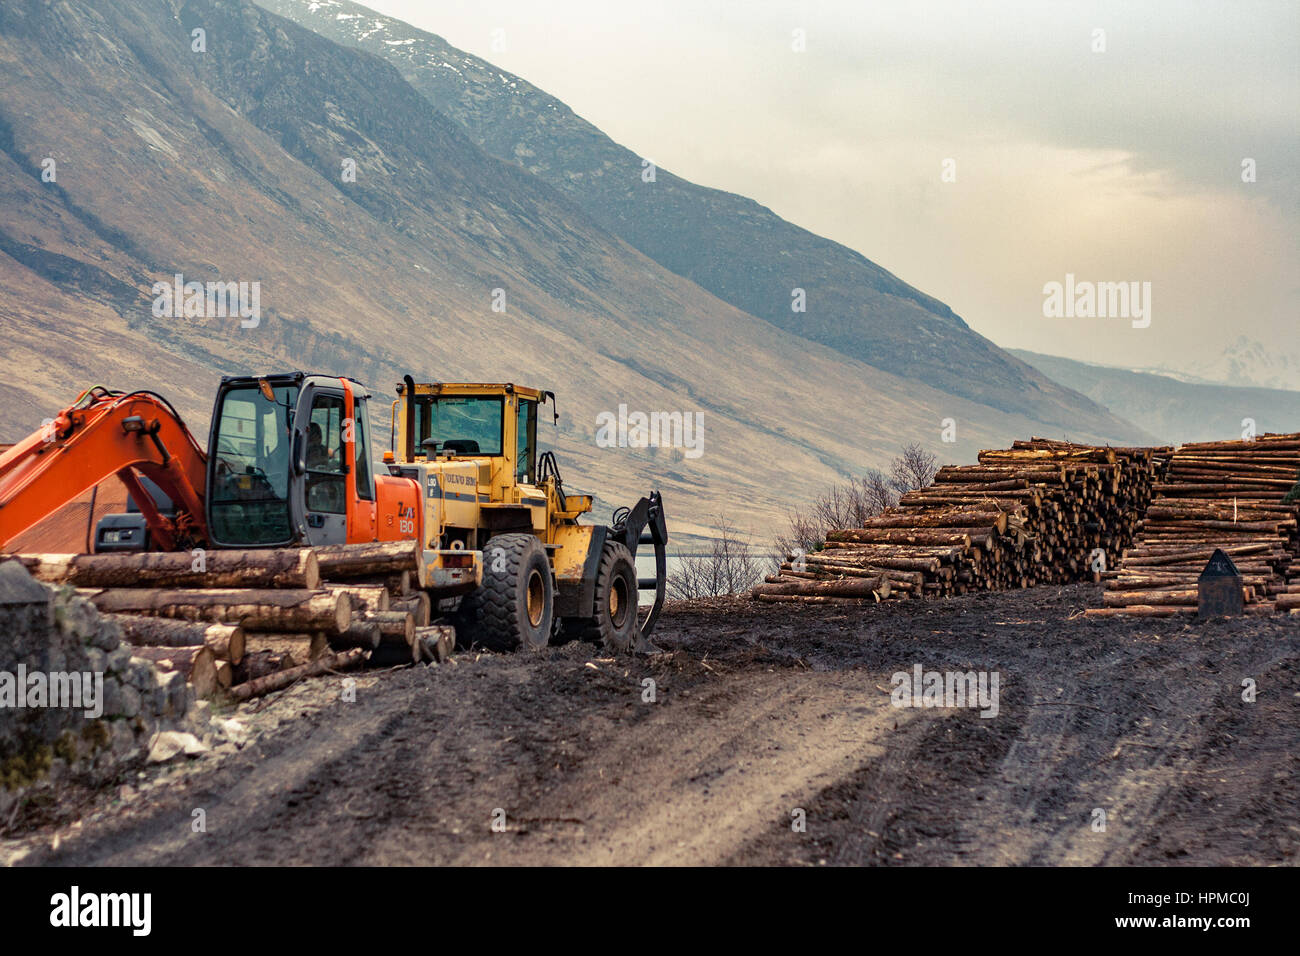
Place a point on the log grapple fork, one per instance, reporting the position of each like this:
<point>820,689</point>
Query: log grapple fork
<point>644,523</point>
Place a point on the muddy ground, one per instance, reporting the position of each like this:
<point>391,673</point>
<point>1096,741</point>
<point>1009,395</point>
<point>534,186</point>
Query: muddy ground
<point>760,712</point>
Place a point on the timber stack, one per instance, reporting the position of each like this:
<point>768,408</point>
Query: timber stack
<point>253,621</point>
<point>1217,495</point>
<point>1040,512</point>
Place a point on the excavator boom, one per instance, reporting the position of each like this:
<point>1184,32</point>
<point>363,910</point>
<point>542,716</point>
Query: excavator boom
<point>105,433</point>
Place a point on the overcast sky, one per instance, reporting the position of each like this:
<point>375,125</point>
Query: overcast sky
<point>1117,165</point>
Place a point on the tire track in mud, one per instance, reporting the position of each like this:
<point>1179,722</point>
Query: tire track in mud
<point>1133,736</point>
<point>692,783</point>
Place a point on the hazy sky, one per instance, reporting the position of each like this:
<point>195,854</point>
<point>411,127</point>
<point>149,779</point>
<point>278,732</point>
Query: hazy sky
<point>1122,165</point>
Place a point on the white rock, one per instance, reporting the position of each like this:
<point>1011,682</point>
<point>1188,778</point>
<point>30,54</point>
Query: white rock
<point>172,743</point>
<point>232,730</point>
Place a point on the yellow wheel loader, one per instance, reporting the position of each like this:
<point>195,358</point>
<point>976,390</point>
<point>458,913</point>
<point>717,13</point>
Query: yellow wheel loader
<point>493,503</point>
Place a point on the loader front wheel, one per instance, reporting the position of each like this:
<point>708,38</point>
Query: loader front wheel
<point>615,624</point>
<point>514,607</point>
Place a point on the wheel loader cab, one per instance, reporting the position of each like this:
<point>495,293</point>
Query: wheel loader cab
<point>289,464</point>
<point>477,445</point>
<point>474,421</point>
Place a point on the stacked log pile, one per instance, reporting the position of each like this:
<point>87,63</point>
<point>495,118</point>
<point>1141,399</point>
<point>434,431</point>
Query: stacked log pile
<point>1225,495</point>
<point>253,621</point>
<point>1040,512</point>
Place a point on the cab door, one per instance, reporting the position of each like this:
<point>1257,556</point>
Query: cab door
<point>362,518</point>
<point>325,460</point>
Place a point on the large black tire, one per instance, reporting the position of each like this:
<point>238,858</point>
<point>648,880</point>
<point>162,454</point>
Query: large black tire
<point>615,623</point>
<point>514,607</point>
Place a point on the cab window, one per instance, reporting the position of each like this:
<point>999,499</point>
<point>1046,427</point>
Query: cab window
<point>461,425</point>
<point>361,434</point>
<point>526,430</point>
<point>326,490</point>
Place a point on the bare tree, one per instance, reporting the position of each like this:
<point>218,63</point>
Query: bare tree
<point>877,493</point>
<point>729,568</point>
<point>803,534</point>
<point>914,468</point>
<point>846,505</point>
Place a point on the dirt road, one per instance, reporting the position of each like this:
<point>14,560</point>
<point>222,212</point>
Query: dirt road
<point>767,737</point>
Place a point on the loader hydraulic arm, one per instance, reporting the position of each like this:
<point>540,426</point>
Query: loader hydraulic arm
<point>101,434</point>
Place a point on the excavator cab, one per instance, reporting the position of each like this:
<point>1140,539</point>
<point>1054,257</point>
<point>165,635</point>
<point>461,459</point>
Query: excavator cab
<point>289,464</point>
<point>250,463</point>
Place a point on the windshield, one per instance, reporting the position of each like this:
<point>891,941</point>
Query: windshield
<point>463,425</point>
<point>248,500</point>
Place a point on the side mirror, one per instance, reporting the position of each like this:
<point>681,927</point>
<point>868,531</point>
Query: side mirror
<point>299,462</point>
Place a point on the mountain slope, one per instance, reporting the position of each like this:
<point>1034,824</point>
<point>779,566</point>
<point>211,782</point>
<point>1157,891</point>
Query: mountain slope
<point>1246,362</point>
<point>1175,411</point>
<point>738,250</point>
<point>226,165</point>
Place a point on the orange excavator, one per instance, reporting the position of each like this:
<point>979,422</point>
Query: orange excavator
<point>288,463</point>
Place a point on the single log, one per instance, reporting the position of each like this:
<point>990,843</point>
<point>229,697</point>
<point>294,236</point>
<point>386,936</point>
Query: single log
<point>853,587</point>
<point>888,536</point>
<point>1139,611</point>
<point>259,664</point>
<point>435,643</point>
<point>395,627</point>
<point>282,679</point>
<point>946,518</point>
<point>397,585</point>
<point>1180,555</point>
<point>1245,487</point>
<point>1031,497</point>
<point>824,569</point>
<point>255,610</point>
<point>225,675</point>
<point>363,560</point>
<point>1164,510</point>
<point>362,634</point>
<point>1234,527</point>
<point>1124,581</point>
<point>417,605</point>
<point>365,597</point>
<point>806,599</point>
<point>277,568</point>
<point>225,640</point>
<point>1182,596</point>
<point>300,647</point>
<point>197,664</point>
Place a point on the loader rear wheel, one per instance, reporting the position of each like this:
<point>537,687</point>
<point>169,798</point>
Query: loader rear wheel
<point>514,607</point>
<point>615,623</point>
